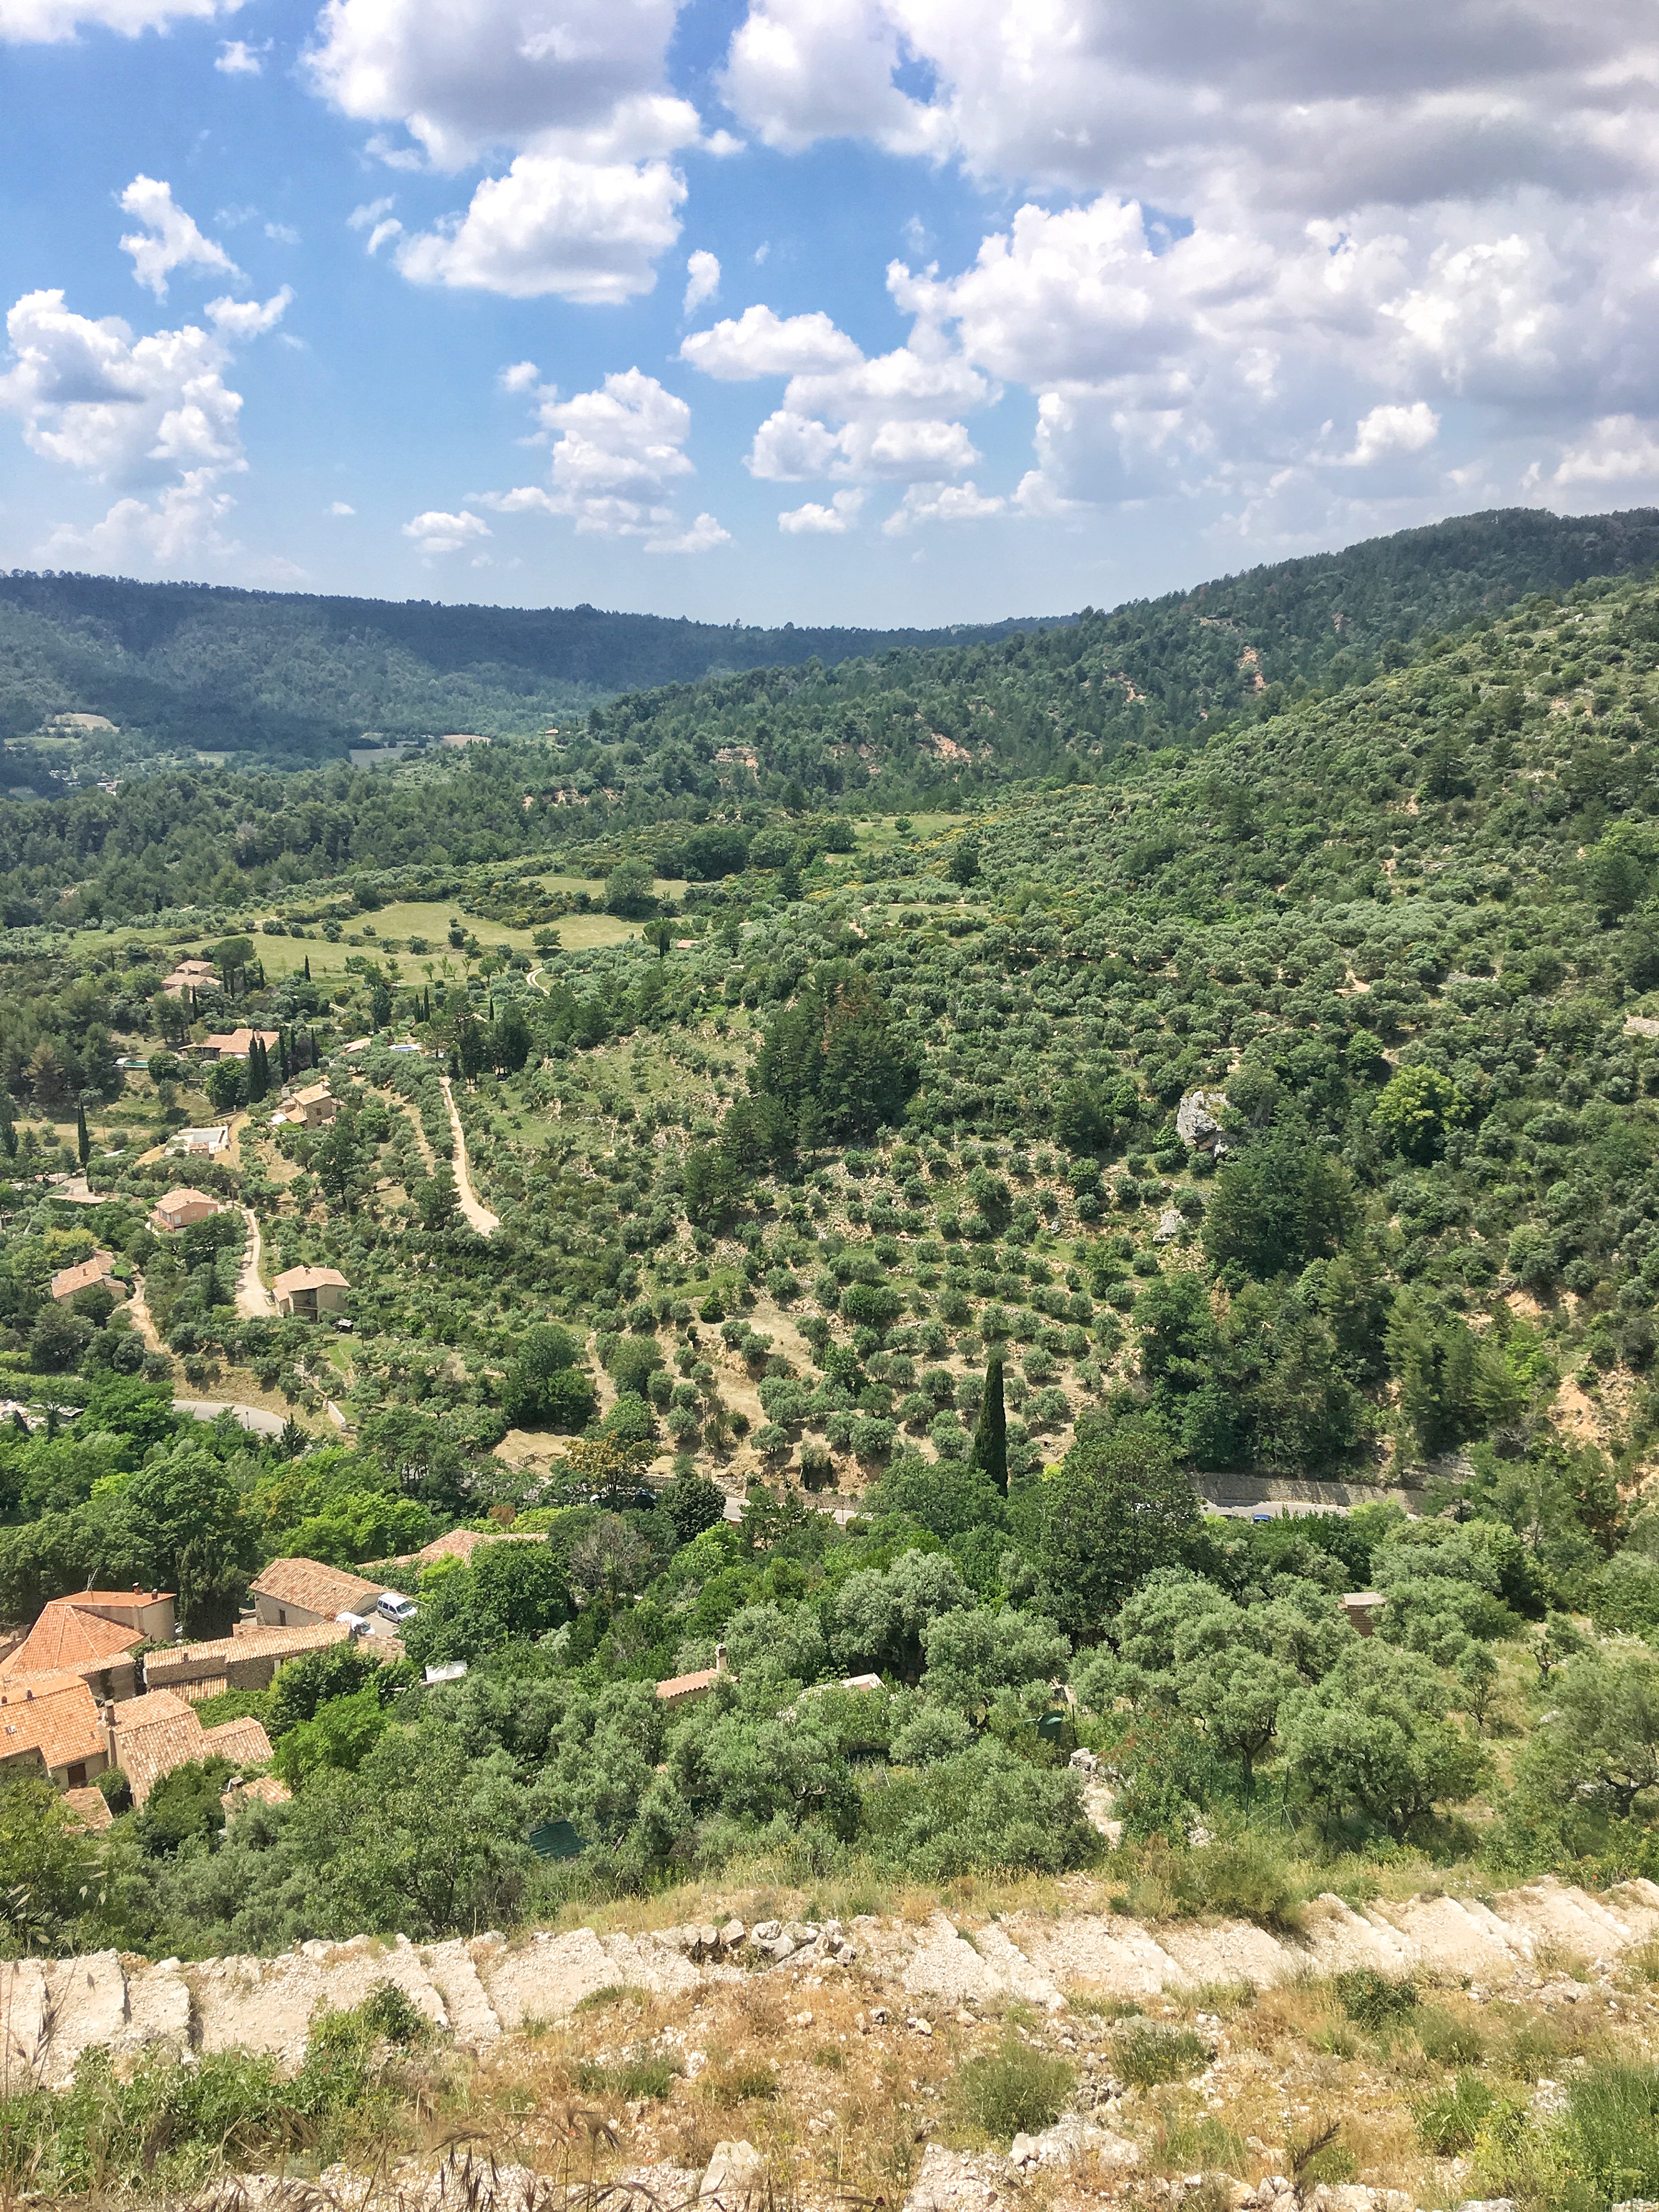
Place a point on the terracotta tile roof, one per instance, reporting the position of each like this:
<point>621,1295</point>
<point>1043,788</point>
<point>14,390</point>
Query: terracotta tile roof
<point>58,1723</point>
<point>313,1095</point>
<point>203,1687</point>
<point>65,1637</point>
<point>85,1277</point>
<point>316,1589</point>
<point>161,1668</point>
<point>90,1809</point>
<point>461,1543</point>
<point>155,1709</point>
<point>170,1200</point>
<point>235,1042</point>
<point>687,1685</point>
<point>176,1738</point>
<point>306,1279</point>
<point>263,1787</point>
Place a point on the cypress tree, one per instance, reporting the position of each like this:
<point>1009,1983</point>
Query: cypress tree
<point>307,967</point>
<point>991,1433</point>
<point>82,1134</point>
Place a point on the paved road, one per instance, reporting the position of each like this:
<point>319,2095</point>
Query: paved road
<point>254,1301</point>
<point>254,1419</point>
<point>478,1213</point>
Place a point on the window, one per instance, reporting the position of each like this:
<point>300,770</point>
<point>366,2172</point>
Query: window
<point>77,1775</point>
<point>282,1618</point>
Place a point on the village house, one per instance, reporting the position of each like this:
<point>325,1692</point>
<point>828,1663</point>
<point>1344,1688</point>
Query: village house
<point>50,1724</point>
<point>235,1044</point>
<point>305,1293</point>
<point>177,1208</point>
<point>92,1635</point>
<point>190,976</point>
<point>154,1734</point>
<point>689,1689</point>
<point>95,1273</point>
<point>295,1593</point>
<point>313,1107</point>
<point>248,1659</point>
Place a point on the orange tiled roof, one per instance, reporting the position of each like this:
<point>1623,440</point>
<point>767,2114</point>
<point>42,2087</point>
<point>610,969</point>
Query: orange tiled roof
<point>246,1643</point>
<point>316,1589</point>
<point>687,1685</point>
<point>90,1809</point>
<point>461,1543</point>
<point>263,1787</point>
<point>154,1710</point>
<point>66,1636</point>
<point>185,1194</point>
<point>85,1277</point>
<point>307,1279</point>
<point>59,1723</point>
<point>177,1738</point>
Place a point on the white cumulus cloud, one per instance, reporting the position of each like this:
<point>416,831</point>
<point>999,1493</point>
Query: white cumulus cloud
<point>581,230</point>
<point>618,455</point>
<point>169,239</point>
<point>51,21</point>
<point>1618,449</point>
<point>703,280</point>
<point>247,319</point>
<point>235,57</point>
<point>1388,430</point>
<point>759,342</point>
<point>576,96</point>
<point>814,519</point>
<point>152,416</point>
<point>435,531</point>
<point>963,502</point>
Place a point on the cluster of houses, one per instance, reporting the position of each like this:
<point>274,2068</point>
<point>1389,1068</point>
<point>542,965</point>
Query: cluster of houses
<point>102,1682</point>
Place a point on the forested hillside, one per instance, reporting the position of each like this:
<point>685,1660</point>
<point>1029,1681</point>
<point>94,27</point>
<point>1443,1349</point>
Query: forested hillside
<point>290,679</point>
<point>868,1247</point>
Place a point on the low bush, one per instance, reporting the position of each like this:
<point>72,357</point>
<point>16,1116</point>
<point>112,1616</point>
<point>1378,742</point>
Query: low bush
<point>1014,2089</point>
<point>1146,2054</point>
<point>1371,1999</point>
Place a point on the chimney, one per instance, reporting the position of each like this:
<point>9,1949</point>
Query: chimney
<point>720,1658</point>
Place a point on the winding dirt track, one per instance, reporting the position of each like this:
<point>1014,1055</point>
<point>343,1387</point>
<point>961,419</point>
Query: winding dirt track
<point>479,1215</point>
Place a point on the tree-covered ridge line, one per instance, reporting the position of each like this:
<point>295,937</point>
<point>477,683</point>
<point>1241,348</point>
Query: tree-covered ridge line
<point>294,678</point>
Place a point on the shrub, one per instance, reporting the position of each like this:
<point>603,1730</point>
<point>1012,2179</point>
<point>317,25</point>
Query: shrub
<point>1146,2054</point>
<point>1371,1999</point>
<point>1014,2090</point>
<point>1449,2121</point>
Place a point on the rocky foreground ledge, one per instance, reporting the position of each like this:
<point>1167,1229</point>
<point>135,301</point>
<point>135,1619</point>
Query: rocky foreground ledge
<point>476,1991</point>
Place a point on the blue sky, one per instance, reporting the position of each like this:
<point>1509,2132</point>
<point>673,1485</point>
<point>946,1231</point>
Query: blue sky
<point>883,311</point>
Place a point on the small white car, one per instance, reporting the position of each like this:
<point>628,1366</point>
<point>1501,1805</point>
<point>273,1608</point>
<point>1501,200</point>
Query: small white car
<point>393,1606</point>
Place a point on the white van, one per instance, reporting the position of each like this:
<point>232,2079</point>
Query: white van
<point>397,1609</point>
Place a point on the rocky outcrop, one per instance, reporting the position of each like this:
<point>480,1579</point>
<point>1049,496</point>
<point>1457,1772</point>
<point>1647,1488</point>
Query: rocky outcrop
<point>1198,1121</point>
<point>476,1989</point>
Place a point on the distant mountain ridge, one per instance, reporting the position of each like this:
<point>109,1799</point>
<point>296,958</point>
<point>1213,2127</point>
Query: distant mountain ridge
<point>295,677</point>
<point>292,678</point>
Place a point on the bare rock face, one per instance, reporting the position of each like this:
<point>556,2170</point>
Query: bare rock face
<point>1198,1121</point>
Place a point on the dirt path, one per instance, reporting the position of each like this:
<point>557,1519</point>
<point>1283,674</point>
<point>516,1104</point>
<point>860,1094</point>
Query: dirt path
<point>143,1320</point>
<point>479,1215</point>
<point>254,1301</point>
